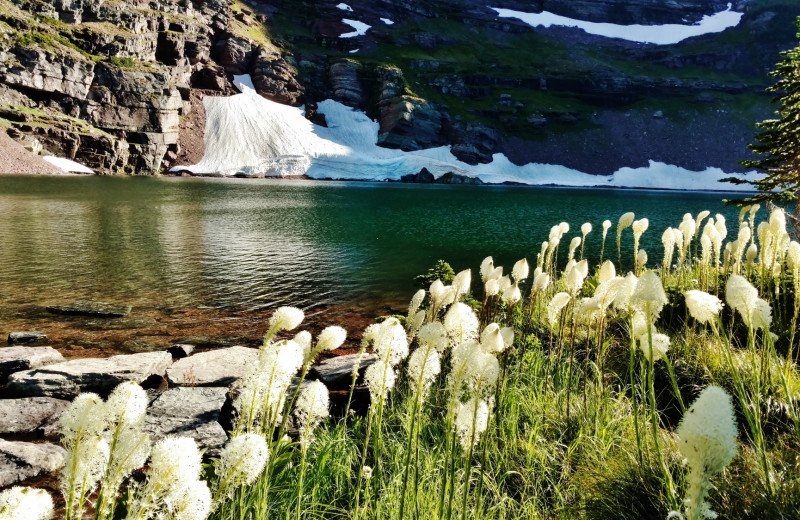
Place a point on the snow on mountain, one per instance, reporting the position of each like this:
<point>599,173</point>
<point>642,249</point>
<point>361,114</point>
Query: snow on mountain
<point>67,165</point>
<point>360,28</point>
<point>248,134</point>
<point>666,34</point>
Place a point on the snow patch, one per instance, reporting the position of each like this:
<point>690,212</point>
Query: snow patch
<point>354,51</point>
<point>657,34</point>
<point>248,134</point>
<point>243,81</point>
<point>360,28</point>
<point>67,165</point>
<point>387,21</point>
<point>344,7</point>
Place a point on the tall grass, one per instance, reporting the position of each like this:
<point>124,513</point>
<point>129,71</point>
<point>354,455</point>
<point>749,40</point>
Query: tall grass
<point>559,395</point>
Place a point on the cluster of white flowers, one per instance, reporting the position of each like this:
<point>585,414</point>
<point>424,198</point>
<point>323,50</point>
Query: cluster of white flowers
<point>423,367</point>
<point>284,318</point>
<point>702,306</point>
<point>471,421</point>
<point>311,408</point>
<point>242,460</point>
<point>18,503</point>
<point>173,488</point>
<point>707,440</point>
<point>743,298</point>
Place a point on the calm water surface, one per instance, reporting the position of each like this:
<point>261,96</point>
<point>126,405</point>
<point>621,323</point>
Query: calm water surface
<point>254,244</point>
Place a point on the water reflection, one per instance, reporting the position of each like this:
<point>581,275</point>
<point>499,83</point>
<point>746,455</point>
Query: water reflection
<point>250,244</point>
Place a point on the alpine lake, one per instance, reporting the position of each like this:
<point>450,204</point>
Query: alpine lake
<point>206,260</point>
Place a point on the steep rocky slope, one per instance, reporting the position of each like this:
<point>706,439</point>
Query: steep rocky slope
<point>116,85</point>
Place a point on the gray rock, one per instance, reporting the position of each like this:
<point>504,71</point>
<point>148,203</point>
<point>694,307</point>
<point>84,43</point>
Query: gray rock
<point>14,359</point>
<point>338,370</point>
<point>94,309</point>
<point>28,336</point>
<point>29,414</point>
<point>345,84</point>
<point>67,380</point>
<point>21,460</point>
<point>181,350</point>
<point>214,368</point>
<point>188,411</point>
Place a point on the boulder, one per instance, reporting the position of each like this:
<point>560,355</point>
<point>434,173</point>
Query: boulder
<point>29,414</point>
<point>214,368</point>
<point>22,460</point>
<point>28,336</point>
<point>15,359</point>
<point>337,371</point>
<point>181,350</point>
<point>274,78</point>
<point>457,178</point>
<point>93,309</point>
<point>67,380</point>
<point>188,411</point>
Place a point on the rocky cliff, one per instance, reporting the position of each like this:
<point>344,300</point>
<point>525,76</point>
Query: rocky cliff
<point>116,85</point>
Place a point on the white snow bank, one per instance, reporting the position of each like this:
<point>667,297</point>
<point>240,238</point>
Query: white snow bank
<point>67,165</point>
<point>243,80</point>
<point>387,21</point>
<point>248,134</point>
<point>360,28</point>
<point>658,34</point>
<point>344,7</point>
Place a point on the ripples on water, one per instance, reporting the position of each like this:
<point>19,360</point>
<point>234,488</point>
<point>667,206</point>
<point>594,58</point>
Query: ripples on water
<point>255,244</point>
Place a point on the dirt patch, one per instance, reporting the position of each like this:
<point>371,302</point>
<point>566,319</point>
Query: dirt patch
<point>16,160</point>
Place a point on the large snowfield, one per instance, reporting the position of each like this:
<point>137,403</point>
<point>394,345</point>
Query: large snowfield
<point>666,34</point>
<point>247,134</point>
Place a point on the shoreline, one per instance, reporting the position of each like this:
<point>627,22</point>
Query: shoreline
<point>272,178</point>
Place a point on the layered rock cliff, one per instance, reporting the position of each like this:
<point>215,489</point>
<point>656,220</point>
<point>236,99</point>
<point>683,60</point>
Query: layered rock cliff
<point>116,85</point>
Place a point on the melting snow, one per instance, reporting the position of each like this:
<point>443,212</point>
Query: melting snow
<point>658,34</point>
<point>248,134</point>
<point>354,51</point>
<point>67,165</point>
<point>243,80</point>
<point>345,7</point>
<point>387,21</point>
<point>360,28</point>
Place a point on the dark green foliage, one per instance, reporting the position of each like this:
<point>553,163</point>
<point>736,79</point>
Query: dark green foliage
<point>123,63</point>
<point>778,143</point>
<point>441,270</point>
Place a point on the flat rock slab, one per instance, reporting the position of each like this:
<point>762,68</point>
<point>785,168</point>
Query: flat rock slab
<point>181,350</point>
<point>15,359</point>
<point>188,411</point>
<point>94,309</point>
<point>27,336</point>
<point>338,371</point>
<point>21,460</point>
<point>214,368</point>
<point>29,414</point>
<point>67,380</point>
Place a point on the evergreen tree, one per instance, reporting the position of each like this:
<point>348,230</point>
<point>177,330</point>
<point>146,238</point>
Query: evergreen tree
<point>778,143</point>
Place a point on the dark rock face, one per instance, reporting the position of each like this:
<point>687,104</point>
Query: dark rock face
<point>423,177</point>
<point>274,77</point>
<point>345,84</point>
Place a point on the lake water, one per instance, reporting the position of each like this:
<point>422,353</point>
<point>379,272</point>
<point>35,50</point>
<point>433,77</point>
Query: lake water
<point>254,244</point>
<point>247,245</point>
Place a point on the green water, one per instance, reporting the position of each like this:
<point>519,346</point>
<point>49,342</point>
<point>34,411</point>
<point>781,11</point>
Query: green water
<point>253,244</point>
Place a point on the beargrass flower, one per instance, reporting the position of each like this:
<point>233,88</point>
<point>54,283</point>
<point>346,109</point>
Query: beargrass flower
<point>379,379</point>
<point>625,291</point>
<point>606,225</point>
<point>471,420</point>
<point>606,292</point>
<point>740,294</point>
<point>520,270</point>
<point>492,340</point>
<point>84,417</point>
<point>554,307</point>
<point>586,228</point>
<point>508,336</point>
<point>639,227</point>
<point>416,301</point>
<point>649,296</point>
<point>700,216</point>
<point>668,239</point>
<point>492,287</point>
<point>607,272</point>
<point>504,283</point>
<point>311,408</point>
<point>242,460</point>
<point>751,254</point>
<point>487,267</point>
<point>433,335</point>
<point>285,318</point>
<point>540,282</point>
<point>702,306</point>
<point>85,465</point>
<point>586,310</point>
<point>641,258</point>
<point>193,503</point>
<point>659,348</point>
<point>461,283</point>
<point>461,323</point>
<point>366,472</point>
<point>330,338</point>
<point>512,294</point>
<point>424,365</point>
<point>18,503</point>
<point>707,440</point>
<point>563,227</point>
<point>573,245</point>
<point>390,342</point>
